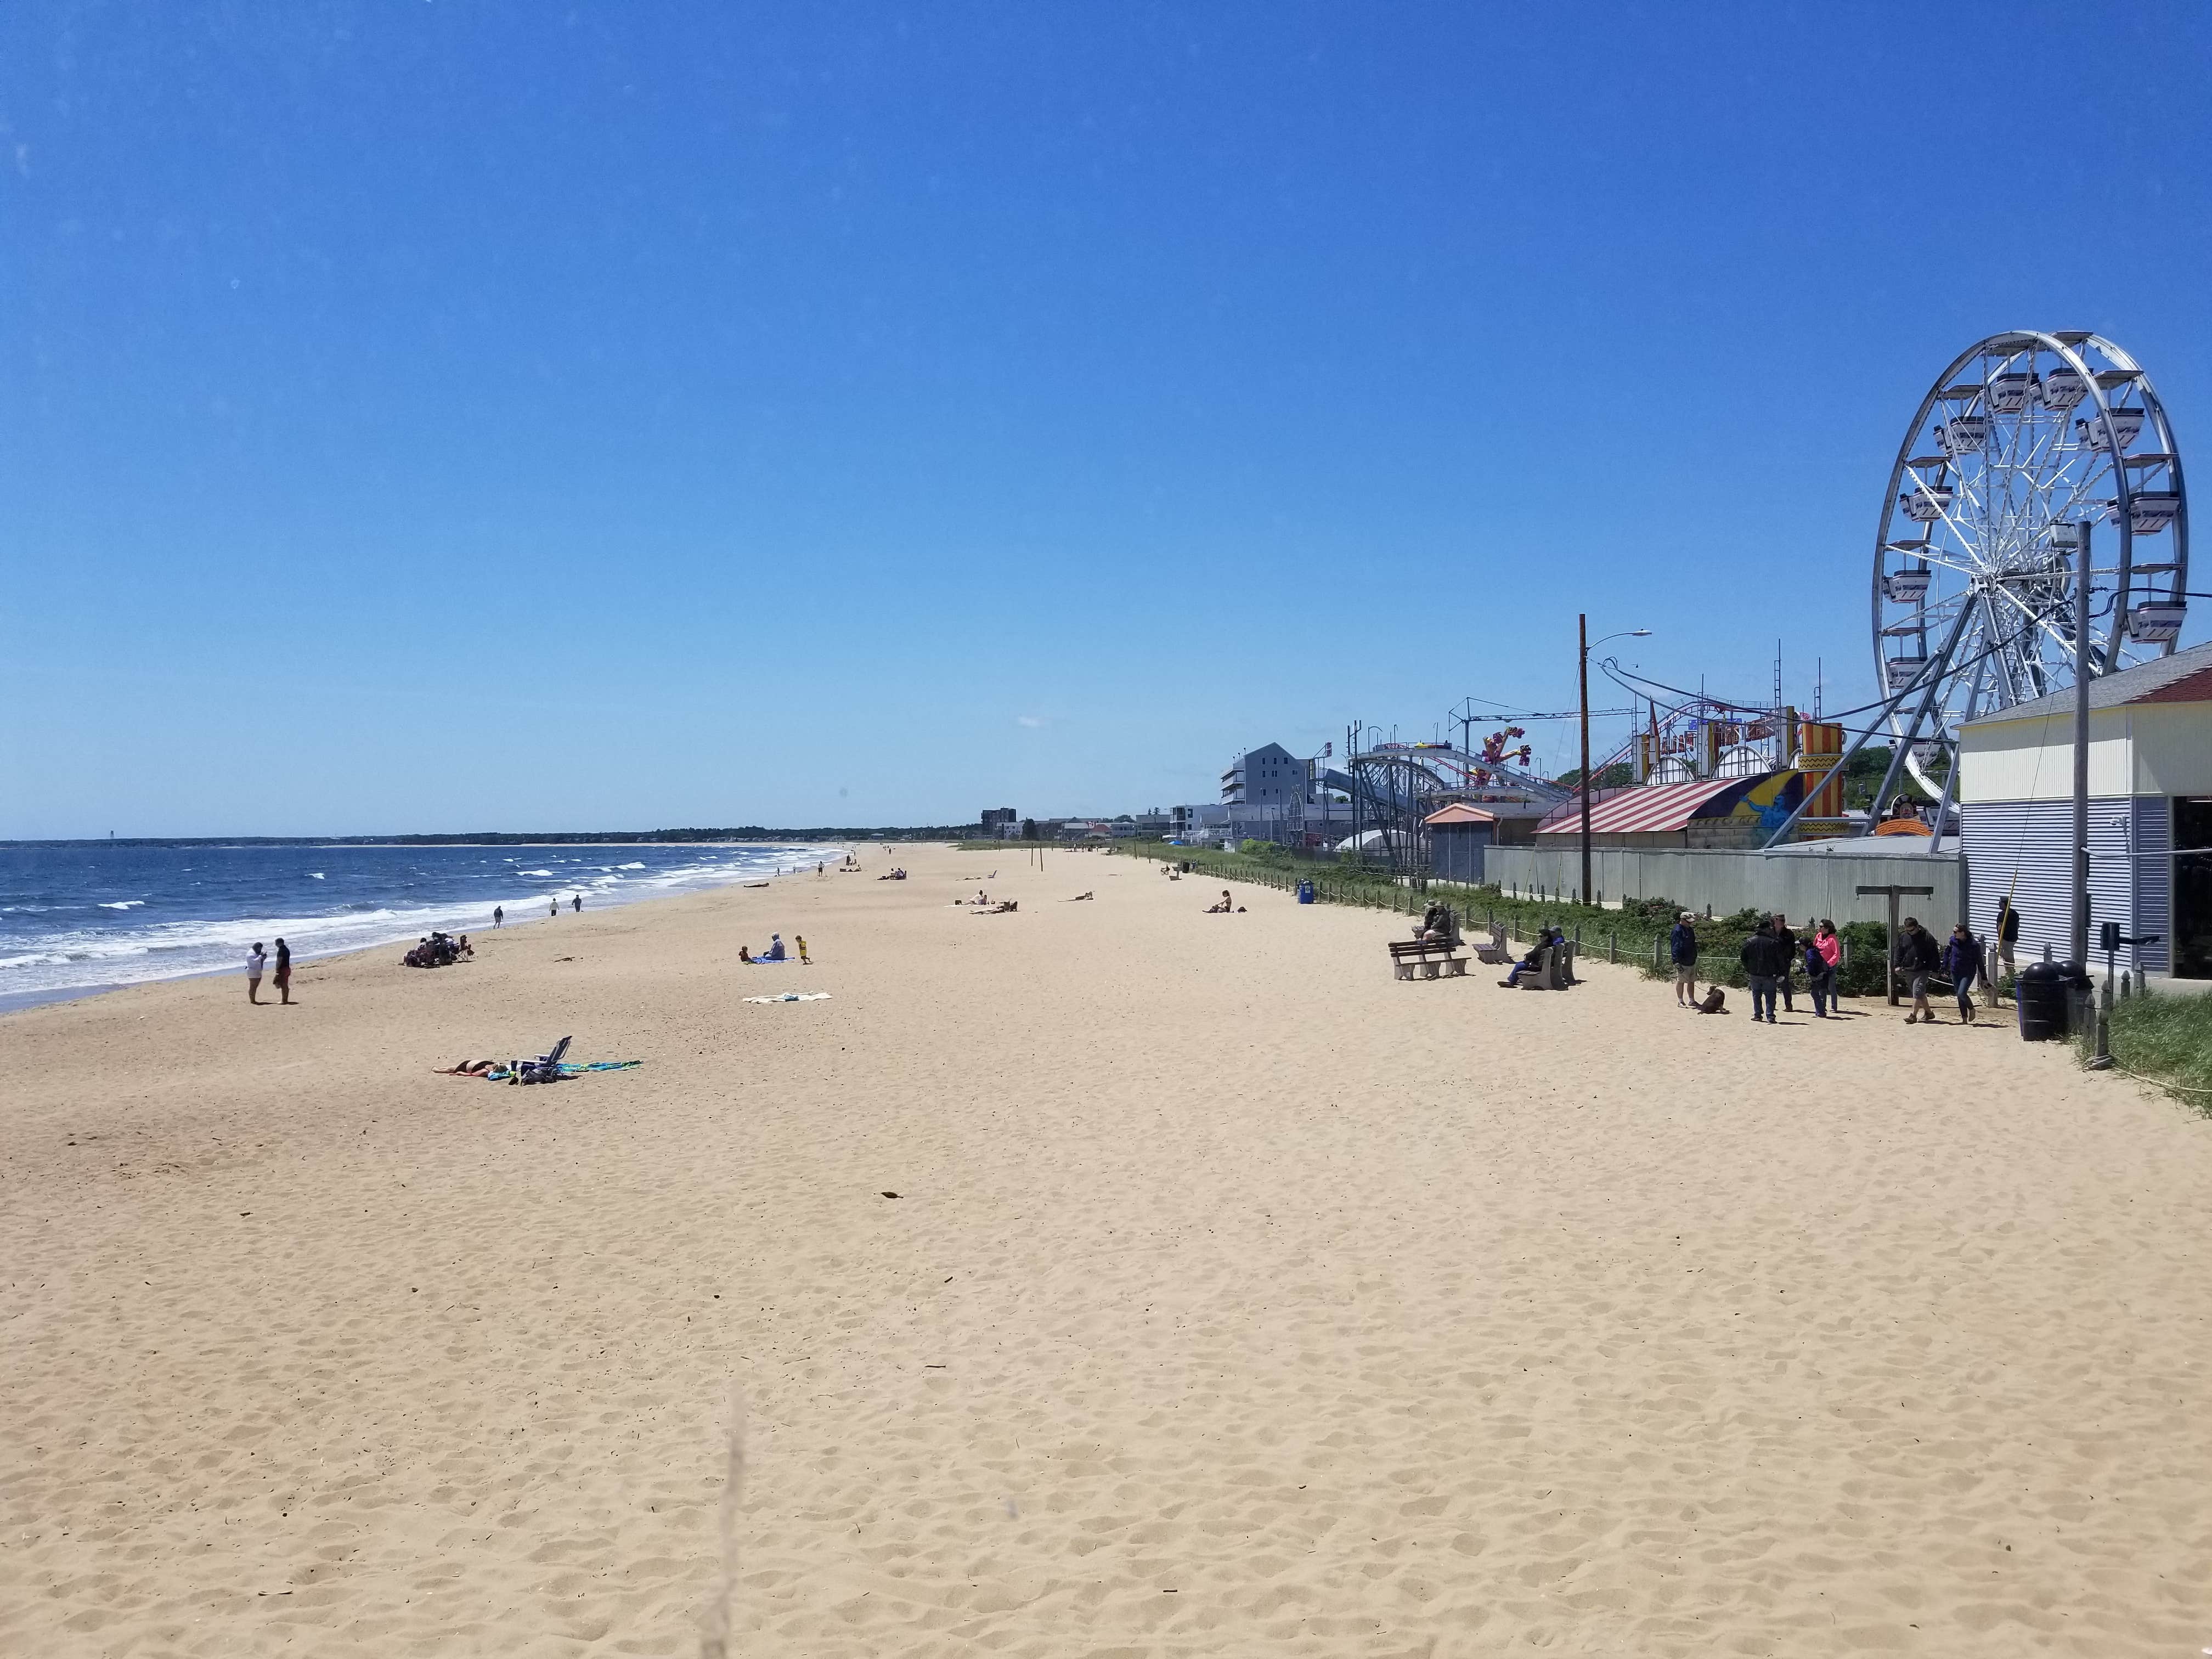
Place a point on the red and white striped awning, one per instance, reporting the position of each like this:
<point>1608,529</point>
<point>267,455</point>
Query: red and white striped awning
<point>1662,808</point>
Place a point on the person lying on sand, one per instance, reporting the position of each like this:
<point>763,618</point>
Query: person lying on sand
<point>1079,898</point>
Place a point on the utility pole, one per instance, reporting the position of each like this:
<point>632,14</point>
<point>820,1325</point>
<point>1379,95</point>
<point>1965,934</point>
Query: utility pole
<point>2079,938</point>
<point>1582,663</point>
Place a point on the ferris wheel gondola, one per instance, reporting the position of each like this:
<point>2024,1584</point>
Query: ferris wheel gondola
<point>2025,443</point>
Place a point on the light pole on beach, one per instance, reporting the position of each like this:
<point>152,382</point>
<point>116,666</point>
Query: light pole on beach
<point>1583,638</point>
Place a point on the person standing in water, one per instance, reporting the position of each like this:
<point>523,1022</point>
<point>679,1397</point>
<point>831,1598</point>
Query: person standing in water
<point>284,973</point>
<point>499,915</point>
<point>255,960</point>
<point>579,904</point>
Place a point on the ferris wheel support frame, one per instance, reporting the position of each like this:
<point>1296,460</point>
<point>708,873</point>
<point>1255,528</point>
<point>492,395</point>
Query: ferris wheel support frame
<point>1938,667</point>
<point>1782,830</point>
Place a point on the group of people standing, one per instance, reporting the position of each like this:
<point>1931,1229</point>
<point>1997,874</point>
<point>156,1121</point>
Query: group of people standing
<point>257,961</point>
<point>1772,956</point>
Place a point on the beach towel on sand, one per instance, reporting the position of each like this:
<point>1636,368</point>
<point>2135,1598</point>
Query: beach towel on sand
<point>499,1071</point>
<point>794,996</point>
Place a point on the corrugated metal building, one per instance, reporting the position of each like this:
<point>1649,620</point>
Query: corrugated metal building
<point>2150,813</point>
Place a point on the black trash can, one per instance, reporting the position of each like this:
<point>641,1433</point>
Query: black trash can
<point>2043,991</point>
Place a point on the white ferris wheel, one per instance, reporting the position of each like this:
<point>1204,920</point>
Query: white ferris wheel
<point>2025,443</point>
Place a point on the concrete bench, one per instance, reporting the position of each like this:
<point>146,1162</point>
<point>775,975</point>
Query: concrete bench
<point>1554,970</point>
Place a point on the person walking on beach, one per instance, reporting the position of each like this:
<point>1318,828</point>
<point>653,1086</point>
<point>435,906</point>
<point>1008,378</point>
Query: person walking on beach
<point>499,915</point>
<point>1763,961</point>
<point>1683,951</point>
<point>284,973</point>
<point>800,939</point>
<point>255,959</point>
<point>1917,956</point>
<point>1962,960</point>
<point>2007,933</point>
<point>579,904</point>
<point>553,909</point>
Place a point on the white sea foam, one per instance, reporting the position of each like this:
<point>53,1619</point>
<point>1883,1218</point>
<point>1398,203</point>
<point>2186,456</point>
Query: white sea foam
<point>119,951</point>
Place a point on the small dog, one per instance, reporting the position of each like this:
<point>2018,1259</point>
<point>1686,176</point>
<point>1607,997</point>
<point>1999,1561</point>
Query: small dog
<point>1715,1001</point>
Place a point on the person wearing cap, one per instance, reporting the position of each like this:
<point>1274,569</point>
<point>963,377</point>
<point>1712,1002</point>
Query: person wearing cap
<point>1682,948</point>
<point>1919,955</point>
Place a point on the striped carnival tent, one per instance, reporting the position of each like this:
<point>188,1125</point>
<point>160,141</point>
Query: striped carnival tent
<point>1704,812</point>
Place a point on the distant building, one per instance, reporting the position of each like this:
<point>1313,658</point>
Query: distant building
<point>2150,815</point>
<point>1269,775</point>
<point>1457,835</point>
<point>1000,821</point>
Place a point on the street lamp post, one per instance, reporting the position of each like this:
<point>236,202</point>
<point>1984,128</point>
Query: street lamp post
<point>1582,644</point>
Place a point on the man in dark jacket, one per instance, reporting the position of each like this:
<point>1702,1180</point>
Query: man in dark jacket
<point>1682,951</point>
<point>1962,961</point>
<point>2007,933</point>
<point>1917,958</point>
<point>1788,943</point>
<point>1763,962</point>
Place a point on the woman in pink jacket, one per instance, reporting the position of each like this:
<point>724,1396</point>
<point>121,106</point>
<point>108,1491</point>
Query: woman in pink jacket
<point>1826,949</point>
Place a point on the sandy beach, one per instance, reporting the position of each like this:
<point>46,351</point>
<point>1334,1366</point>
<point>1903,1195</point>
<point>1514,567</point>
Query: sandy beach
<point>1236,1299</point>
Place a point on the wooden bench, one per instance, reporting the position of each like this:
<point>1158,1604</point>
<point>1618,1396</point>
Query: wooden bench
<point>1434,957</point>
<point>1498,951</point>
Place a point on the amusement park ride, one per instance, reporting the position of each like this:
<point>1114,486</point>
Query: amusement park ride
<point>2035,530</point>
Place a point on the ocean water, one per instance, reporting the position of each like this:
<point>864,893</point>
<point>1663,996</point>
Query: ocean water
<point>83,917</point>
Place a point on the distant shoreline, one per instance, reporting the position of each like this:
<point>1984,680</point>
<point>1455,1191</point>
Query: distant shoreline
<point>744,836</point>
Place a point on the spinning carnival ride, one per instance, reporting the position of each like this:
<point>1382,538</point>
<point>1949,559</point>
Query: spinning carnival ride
<point>2027,442</point>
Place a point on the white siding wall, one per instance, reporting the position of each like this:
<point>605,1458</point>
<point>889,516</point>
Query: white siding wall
<point>2033,760</point>
<point>2173,748</point>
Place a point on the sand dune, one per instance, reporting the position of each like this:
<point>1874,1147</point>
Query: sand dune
<point>1237,1299</point>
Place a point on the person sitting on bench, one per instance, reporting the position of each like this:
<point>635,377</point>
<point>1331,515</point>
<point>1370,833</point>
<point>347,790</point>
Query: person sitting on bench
<point>1545,940</point>
<point>1435,921</point>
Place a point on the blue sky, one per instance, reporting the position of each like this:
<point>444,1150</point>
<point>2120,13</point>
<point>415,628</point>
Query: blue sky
<point>470,416</point>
